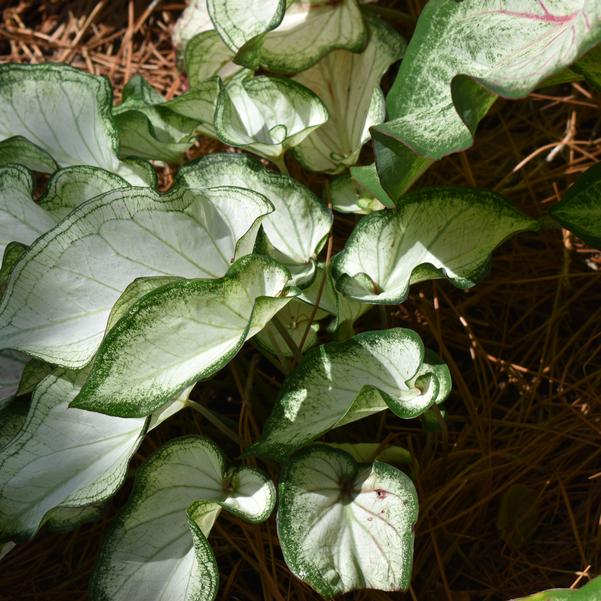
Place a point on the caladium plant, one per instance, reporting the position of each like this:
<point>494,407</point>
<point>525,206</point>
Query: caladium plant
<point>118,300</point>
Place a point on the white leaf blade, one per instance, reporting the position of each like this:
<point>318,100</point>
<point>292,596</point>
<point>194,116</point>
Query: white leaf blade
<point>308,31</point>
<point>62,456</point>
<point>438,232</point>
<point>299,224</point>
<point>267,115</point>
<point>343,526</point>
<point>340,382</point>
<point>348,84</point>
<point>83,265</point>
<point>179,334</point>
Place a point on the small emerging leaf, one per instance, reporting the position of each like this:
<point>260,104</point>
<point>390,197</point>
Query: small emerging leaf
<point>591,591</point>
<point>345,526</point>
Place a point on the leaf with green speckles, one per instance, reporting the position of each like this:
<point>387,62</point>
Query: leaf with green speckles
<point>296,230</point>
<point>158,547</point>
<point>580,208</point>
<point>434,233</point>
<point>61,292</point>
<point>461,56</point>
<point>62,457</point>
<point>349,196</point>
<point>266,115</point>
<point>309,31</point>
<point>341,382</point>
<point>65,113</point>
<point>180,333</point>
<point>591,591</point>
<point>348,84</point>
<point>345,526</point>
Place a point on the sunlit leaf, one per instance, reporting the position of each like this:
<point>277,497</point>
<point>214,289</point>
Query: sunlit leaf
<point>345,526</point>
<point>434,233</point>
<point>338,383</point>
<point>463,54</point>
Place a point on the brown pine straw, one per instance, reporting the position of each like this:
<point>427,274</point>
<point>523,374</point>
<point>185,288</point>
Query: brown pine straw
<point>523,348</point>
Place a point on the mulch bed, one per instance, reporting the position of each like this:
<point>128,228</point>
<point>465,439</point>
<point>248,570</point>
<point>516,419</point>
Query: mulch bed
<point>523,348</point>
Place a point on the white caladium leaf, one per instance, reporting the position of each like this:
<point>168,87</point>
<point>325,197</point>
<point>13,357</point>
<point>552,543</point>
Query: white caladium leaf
<point>434,233</point>
<point>348,196</point>
<point>61,457</point>
<point>60,294</point>
<point>344,525</point>
<point>206,55</point>
<point>309,30</point>
<point>65,112</point>
<point>21,219</point>
<point>147,129</point>
<point>348,84</point>
<point>158,548</point>
<point>267,115</point>
<point>591,591</point>
<point>298,227</point>
<point>239,21</point>
<point>12,365</point>
<point>341,382</point>
<point>461,56</point>
<point>72,186</point>
<point>19,150</point>
<point>580,208</point>
<point>199,325</point>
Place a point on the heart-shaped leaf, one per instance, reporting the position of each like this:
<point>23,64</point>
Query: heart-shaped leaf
<point>348,84</point>
<point>206,56</point>
<point>180,333</point>
<point>66,113</point>
<point>580,208</point>
<point>463,54</point>
<point>267,115</point>
<point>341,382</point>
<point>434,233</point>
<point>299,225</point>
<point>159,545</point>
<point>61,292</point>
<point>345,526</point>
